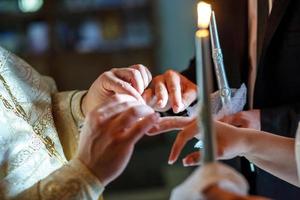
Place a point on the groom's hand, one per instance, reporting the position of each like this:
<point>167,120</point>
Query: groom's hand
<point>130,81</point>
<point>170,90</point>
<point>110,133</point>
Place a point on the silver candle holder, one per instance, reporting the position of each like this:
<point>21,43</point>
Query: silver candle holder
<point>217,55</point>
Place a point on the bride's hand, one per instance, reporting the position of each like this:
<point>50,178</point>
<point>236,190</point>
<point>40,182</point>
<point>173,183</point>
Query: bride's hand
<point>231,142</point>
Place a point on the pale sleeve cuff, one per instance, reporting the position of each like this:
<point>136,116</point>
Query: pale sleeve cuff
<point>67,115</point>
<point>76,107</point>
<point>95,187</point>
<point>73,181</point>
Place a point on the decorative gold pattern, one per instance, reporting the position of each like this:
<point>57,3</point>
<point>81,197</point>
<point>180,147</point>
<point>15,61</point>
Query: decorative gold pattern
<point>69,190</point>
<point>26,122</point>
<point>38,130</point>
<point>25,106</point>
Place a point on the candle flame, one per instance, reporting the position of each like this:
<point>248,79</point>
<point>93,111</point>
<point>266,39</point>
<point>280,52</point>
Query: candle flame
<point>204,14</point>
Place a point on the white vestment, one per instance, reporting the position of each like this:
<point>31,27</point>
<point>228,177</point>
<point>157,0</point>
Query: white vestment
<point>297,149</point>
<point>27,170</point>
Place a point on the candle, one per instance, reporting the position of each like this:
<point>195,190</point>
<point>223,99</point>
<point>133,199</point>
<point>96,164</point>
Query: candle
<point>204,81</point>
<point>225,92</point>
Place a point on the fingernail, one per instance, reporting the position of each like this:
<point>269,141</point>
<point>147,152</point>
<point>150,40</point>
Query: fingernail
<point>171,162</point>
<point>186,165</point>
<point>176,109</point>
<point>160,103</point>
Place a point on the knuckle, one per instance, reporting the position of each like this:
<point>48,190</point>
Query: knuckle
<point>127,104</point>
<point>114,69</point>
<point>133,111</point>
<point>116,98</point>
<point>173,88</point>
<point>139,66</point>
<point>116,140</point>
<point>170,72</point>
<point>105,74</point>
<point>124,85</point>
<point>158,79</point>
<point>135,73</point>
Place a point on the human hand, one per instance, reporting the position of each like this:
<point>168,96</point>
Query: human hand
<point>231,142</point>
<point>110,133</point>
<point>197,185</point>
<point>170,90</point>
<point>244,119</point>
<point>214,192</point>
<point>131,81</point>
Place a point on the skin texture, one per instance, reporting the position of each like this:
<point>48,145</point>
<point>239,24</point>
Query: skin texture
<point>131,81</point>
<point>244,119</point>
<point>106,150</point>
<point>170,90</point>
<point>110,133</point>
<point>272,153</point>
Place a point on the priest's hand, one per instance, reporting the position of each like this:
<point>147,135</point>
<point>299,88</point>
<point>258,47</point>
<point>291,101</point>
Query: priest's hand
<point>170,90</point>
<point>244,119</point>
<point>131,81</point>
<point>110,133</point>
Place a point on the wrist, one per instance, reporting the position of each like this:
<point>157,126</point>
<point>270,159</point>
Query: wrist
<point>245,141</point>
<point>249,141</point>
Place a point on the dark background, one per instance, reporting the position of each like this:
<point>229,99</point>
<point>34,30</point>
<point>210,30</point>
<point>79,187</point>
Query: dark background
<point>74,41</point>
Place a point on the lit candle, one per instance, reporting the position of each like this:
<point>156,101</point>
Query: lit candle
<point>204,81</point>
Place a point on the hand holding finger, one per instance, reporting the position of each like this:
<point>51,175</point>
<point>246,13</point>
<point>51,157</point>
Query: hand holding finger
<point>166,124</point>
<point>131,76</point>
<point>133,115</point>
<point>145,73</point>
<point>113,84</point>
<point>139,129</point>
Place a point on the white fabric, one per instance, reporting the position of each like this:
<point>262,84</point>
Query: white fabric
<point>205,176</point>
<point>24,153</point>
<point>26,169</point>
<point>297,149</point>
<point>238,101</point>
